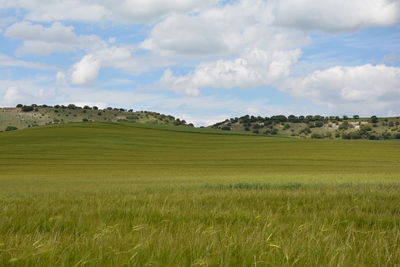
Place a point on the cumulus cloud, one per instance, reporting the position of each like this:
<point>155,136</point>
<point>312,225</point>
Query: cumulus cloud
<point>6,61</point>
<point>351,89</point>
<point>222,31</point>
<point>44,41</point>
<point>335,15</point>
<point>133,11</point>
<point>15,95</point>
<point>254,68</point>
<point>86,70</point>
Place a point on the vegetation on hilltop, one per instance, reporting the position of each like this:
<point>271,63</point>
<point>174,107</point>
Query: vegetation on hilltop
<point>318,127</point>
<point>23,116</point>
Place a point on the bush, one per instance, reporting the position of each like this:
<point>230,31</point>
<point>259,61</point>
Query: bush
<point>11,128</point>
<point>85,120</point>
<point>319,124</point>
<point>317,136</point>
<point>19,106</point>
<point>226,128</point>
<point>397,136</point>
<point>27,108</point>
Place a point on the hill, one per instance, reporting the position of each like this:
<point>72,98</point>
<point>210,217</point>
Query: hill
<point>129,149</point>
<point>23,117</point>
<point>318,127</point>
<point>127,194</point>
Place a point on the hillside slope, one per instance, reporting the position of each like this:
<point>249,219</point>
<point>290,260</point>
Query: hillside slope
<point>317,127</point>
<point>134,150</point>
<point>23,117</point>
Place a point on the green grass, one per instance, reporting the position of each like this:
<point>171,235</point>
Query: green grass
<point>136,195</point>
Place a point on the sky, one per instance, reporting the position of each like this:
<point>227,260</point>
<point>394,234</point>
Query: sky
<point>204,60</point>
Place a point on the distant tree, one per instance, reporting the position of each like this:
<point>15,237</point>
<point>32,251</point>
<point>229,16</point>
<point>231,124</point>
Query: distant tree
<point>71,106</point>
<point>95,108</point>
<point>356,117</point>
<point>11,128</point>
<point>226,128</point>
<point>19,106</point>
<point>345,118</point>
<point>27,108</point>
<point>86,107</point>
<point>374,119</point>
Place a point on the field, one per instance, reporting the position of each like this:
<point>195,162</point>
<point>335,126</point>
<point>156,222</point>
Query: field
<point>103,194</point>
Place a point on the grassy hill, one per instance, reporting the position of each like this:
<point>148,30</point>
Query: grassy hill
<point>317,127</point>
<point>23,117</point>
<point>124,194</point>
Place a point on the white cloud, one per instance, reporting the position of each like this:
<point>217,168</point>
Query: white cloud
<point>222,31</point>
<point>254,68</point>
<point>335,15</point>
<point>6,61</point>
<point>134,11</point>
<point>14,95</point>
<point>44,41</point>
<point>365,88</point>
<point>86,70</point>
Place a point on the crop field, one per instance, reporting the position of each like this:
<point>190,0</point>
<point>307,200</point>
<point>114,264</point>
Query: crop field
<point>103,194</point>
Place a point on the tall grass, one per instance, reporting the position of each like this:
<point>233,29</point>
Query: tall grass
<point>118,195</point>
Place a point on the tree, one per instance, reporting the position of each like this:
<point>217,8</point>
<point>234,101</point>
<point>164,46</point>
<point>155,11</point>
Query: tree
<point>356,117</point>
<point>19,106</point>
<point>374,119</point>
<point>27,108</point>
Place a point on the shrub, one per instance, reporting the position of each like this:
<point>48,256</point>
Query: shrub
<point>27,108</point>
<point>19,106</point>
<point>85,120</point>
<point>397,136</point>
<point>11,128</point>
<point>319,124</point>
<point>226,128</point>
<point>317,136</point>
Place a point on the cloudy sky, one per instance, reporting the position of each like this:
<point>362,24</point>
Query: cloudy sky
<point>204,60</point>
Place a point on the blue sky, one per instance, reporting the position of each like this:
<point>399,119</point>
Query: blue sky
<point>204,60</point>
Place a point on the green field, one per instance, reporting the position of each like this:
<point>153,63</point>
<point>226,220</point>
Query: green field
<point>102,194</point>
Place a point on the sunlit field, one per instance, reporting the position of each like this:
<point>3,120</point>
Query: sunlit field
<point>129,195</point>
